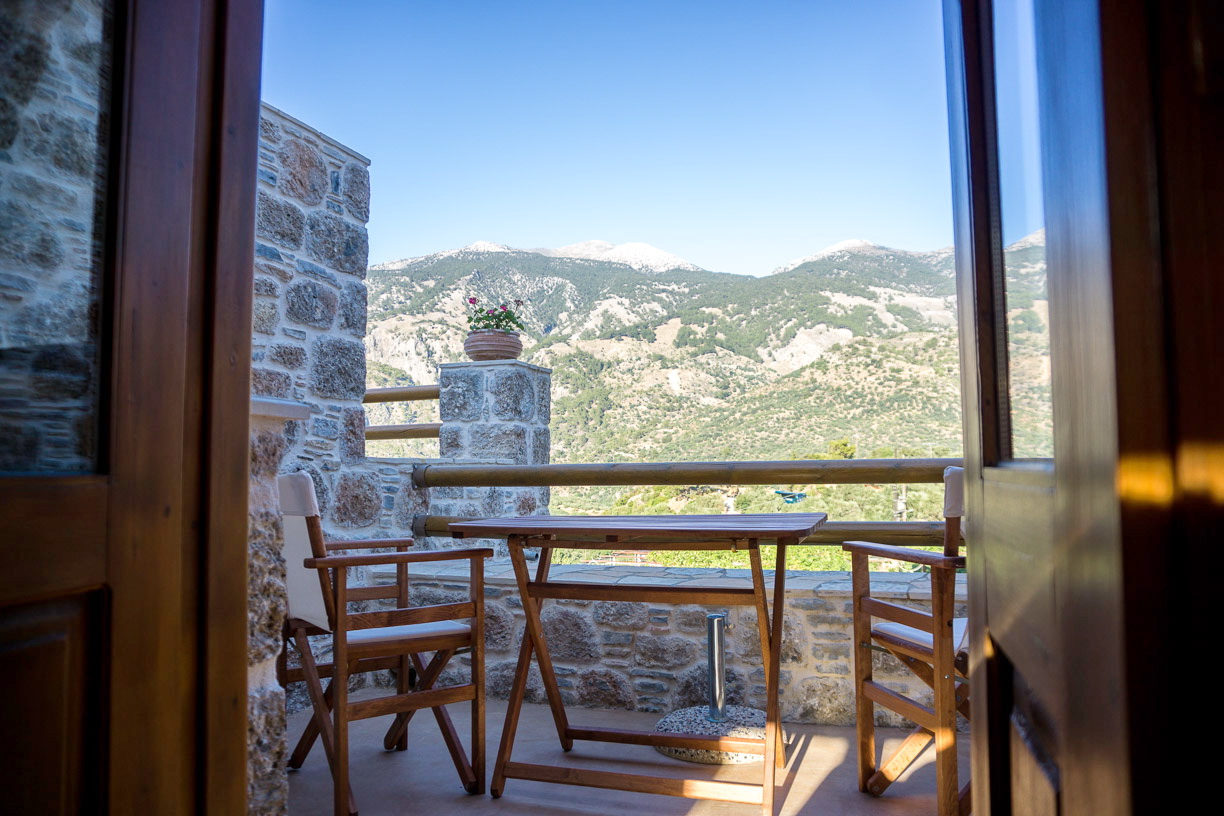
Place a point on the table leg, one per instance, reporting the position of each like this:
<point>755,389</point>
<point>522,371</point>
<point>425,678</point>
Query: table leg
<point>518,689</point>
<point>535,630</point>
<point>768,654</point>
<point>779,603</point>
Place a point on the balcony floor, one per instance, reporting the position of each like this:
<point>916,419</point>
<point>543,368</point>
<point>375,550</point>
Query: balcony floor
<point>819,777</point>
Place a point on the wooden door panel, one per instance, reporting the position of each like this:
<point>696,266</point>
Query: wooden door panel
<point>50,664</point>
<point>1020,576</point>
<point>55,538</point>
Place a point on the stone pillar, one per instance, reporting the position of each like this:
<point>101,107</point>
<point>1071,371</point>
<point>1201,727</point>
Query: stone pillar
<point>495,411</point>
<point>267,604</point>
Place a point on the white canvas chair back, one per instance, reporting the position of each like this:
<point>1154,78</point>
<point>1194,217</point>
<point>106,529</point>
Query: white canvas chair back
<point>954,492</point>
<point>954,507</point>
<point>297,500</point>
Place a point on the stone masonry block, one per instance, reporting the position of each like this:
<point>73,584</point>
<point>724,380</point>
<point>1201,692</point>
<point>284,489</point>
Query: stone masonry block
<point>266,317</point>
<point>267,604</point>
<point>303,172</point>
<point>267,450</point>
<point>352,435</point>
<point>541,446</point>
<point>336,243</point>
<point>279,221</point>
<point>268,383</point>
<point>353,309</point>
<point>543,395</point>
<point>499,678</point>
<point>693,687</point>
<point>358,500</point>
<point>338,369</point>
<point>499,628</point>
<point>513,396</point>
<point>498,442</point>
<point>605,688</point>
<point>570,634</point>
<point>621,614</point>
<point>450,442</point>
<point>267,782</point>
<point>826,700</point>
<point>356,191</point>
<point>665,651</point>
<point>311,304</point>
<point>292,357</point>
<point>461,396</point>
<point>410,501</point>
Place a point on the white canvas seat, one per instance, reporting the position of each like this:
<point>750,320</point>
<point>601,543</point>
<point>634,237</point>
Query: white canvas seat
<point>924,640</point>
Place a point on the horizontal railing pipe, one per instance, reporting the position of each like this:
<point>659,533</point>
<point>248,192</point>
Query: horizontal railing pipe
<point>895,533</point>
<point>403,393</point>
<point>423,430</point>
<point>802,472</point>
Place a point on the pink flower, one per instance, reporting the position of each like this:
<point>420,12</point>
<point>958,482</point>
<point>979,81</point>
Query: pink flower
<point>472,301</point>
<point>490,312</point>
<point>505,308</point>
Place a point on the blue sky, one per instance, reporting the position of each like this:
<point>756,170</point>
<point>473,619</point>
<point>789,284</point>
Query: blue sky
<point>738,135</point>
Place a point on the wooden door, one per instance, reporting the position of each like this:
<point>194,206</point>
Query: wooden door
<point>127,166</point>
<point>1084,558</point>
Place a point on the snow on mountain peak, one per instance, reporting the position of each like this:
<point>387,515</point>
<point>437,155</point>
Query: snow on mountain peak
<point>636,254</point>
<point>485,246</point>
<point>844,246</point>
<point>851,245</point>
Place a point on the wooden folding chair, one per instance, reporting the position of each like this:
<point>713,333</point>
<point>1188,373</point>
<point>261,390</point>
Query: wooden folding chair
<point>367,641</point>
<point>933,645</point>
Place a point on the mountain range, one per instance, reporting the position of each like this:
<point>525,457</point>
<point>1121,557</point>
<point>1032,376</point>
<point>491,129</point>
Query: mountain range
<point>851,349</point>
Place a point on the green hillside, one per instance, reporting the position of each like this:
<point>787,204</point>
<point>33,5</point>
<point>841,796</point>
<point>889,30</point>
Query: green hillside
<point>853,351</point>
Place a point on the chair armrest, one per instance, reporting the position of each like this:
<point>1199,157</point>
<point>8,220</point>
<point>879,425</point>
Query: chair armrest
<point>344,561</point>
<point>929,559</point>
<point>369,543</point>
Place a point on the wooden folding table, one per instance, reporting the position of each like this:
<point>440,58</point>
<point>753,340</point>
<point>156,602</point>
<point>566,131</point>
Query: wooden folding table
<point>730,532</point>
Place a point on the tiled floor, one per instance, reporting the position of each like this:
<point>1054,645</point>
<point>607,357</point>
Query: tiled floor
<point>819,777</point>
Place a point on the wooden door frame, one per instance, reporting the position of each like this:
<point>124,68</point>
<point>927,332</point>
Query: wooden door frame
<point>193,137</point>
<point>1131,242</point>
<point>225,193</point>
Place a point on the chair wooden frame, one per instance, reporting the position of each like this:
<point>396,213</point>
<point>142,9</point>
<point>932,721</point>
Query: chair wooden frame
<point>941,667</point>
<point>415,688</point>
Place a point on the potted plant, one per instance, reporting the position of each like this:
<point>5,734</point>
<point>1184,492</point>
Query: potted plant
<point>491,332</point>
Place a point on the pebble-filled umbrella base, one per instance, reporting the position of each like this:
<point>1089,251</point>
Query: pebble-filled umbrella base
<point>741,722</point>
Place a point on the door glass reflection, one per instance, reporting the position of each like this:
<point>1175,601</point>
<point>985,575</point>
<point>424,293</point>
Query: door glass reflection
<point>55,95</point>
<point>1026,293</point>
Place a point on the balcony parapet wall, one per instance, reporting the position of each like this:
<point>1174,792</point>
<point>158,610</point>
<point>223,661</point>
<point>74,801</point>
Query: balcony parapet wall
<point>638,656</point>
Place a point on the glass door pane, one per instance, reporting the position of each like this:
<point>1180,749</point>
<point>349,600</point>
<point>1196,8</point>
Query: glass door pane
<point>1026,297</point>
<point>55,97</point>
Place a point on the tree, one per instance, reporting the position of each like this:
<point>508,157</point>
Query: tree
<point>842,448</point>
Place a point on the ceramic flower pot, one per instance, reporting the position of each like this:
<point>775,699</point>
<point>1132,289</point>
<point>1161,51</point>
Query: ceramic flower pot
<point>493,344</point>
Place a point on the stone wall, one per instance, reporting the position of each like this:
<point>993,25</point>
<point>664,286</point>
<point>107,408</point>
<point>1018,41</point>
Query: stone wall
<point>313,201</point>
<point>644,657</point>
<point>54,92</point>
